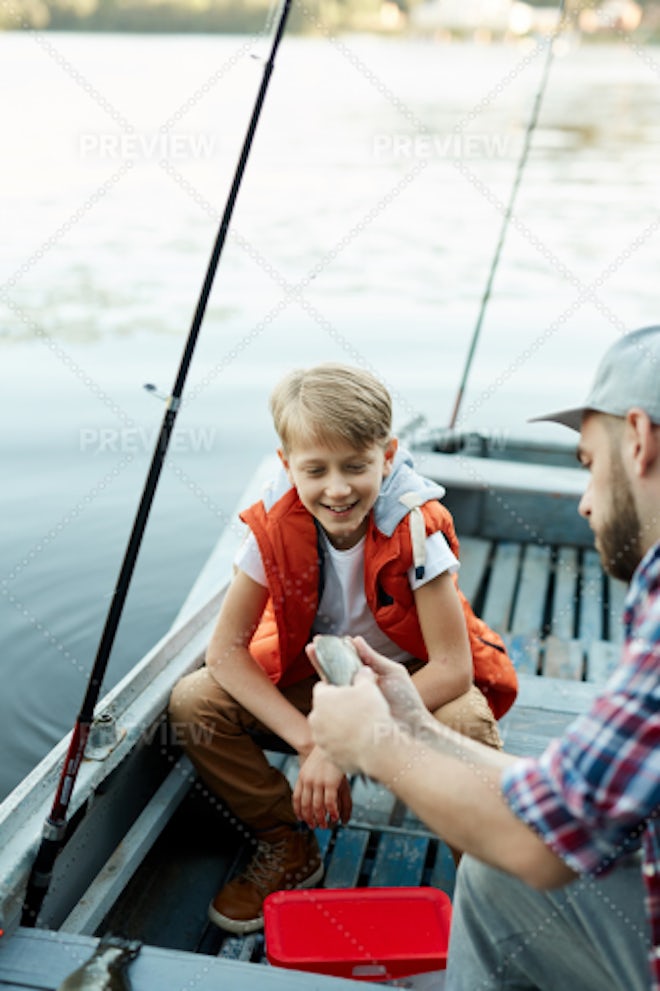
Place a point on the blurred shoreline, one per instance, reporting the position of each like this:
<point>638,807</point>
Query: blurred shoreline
<point>444,20</point>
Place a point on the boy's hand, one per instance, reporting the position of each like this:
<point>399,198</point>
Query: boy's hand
<point>322,795</point>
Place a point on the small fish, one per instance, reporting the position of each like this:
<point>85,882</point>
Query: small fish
<point>106,968</point>
<point>338,660</point>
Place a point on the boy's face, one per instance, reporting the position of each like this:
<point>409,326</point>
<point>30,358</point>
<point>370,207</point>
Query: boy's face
<point>339,485</point>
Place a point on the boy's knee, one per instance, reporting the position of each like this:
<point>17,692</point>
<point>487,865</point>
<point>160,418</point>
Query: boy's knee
<point>185,701</point>
<point>470,715</point>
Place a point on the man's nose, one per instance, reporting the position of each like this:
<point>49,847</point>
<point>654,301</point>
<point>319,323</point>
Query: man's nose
<point>584,506</point>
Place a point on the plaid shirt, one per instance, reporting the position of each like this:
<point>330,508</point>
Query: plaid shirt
<point>594,795</point>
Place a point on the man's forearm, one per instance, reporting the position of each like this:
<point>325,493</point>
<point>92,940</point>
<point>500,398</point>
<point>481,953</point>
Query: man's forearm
<point>454,785</point>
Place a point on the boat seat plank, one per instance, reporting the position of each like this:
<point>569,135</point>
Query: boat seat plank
<point>399,861</point>
<point>523,643</point>
<point>443,875</point>
<point>544,724</point>
<point>563,659</point>
<point>502,586</point>
<point>553,695</point>
<point>523,651</point>
<point>530,602</point>
<point>372,801</point>
<point>466,472</point>
<point>40,960</point>
<point>345,865</point>
<point>474,555</point>
<point>323,838</point>
<point>602,658</point>
<point>526,732</point>
<point>544,708</point>
<point>591,602</point>
<point>525,744</point>
<point>616,593</point>
<point>562,622</point>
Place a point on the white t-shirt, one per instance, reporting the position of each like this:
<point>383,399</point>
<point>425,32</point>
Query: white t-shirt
<point>343,608</point>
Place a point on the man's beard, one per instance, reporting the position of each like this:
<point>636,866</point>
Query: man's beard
<point>619,541</point>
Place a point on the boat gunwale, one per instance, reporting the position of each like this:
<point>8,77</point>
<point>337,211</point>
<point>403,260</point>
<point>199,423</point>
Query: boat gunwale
<point>136,703</point>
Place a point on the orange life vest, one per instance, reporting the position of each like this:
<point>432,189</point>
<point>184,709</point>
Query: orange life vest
<point>289,545</point>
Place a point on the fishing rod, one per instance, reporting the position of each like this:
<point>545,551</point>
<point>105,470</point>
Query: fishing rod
<point>55,824</point>
<point>508,213</point>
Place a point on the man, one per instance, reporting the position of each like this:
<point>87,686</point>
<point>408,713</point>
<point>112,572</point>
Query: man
<point>560,888</point>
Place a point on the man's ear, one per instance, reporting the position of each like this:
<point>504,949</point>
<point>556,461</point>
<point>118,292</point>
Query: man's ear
<point>643,439</point>
<point>390,451</point>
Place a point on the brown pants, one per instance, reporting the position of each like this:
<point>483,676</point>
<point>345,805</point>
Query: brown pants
<point>217,734</point>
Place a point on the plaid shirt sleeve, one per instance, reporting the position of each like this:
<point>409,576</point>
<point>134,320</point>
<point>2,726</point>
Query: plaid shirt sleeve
<point>590,796</point>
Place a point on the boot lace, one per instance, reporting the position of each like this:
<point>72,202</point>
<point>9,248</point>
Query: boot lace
<point>267,864</point>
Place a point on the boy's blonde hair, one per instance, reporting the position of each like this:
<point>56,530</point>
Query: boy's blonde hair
<point>331,403</point>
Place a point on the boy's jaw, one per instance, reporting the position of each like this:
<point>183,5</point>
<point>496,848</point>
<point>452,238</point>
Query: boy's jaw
<point>342,525</point>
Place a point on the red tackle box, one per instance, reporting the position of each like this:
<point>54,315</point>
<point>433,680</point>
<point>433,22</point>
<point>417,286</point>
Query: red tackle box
<point>373,934</point>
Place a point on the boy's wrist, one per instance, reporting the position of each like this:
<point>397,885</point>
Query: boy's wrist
<point>302,741</point>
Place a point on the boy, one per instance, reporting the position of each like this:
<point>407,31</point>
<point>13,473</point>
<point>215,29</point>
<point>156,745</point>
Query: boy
<point>351,541</point>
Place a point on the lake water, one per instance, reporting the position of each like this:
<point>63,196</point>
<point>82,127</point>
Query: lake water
<point>364,232</point>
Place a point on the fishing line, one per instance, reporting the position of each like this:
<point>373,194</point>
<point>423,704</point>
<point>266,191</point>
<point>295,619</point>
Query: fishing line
<point>522,162</point>
<point>55,825</point>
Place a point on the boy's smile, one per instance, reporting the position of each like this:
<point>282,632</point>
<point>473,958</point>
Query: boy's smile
<point>339,485</point>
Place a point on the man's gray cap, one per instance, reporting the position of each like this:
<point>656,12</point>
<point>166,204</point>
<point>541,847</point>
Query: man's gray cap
<point>628,376</point>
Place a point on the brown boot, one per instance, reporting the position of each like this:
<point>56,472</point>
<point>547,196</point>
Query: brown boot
<point>285,858</point>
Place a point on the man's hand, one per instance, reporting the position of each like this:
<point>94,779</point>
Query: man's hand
<point>322,795</point>
<point>395,683</point>
<point>351,723</point>
<point>347,722</point>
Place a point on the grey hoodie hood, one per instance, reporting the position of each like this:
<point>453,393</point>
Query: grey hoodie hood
<point>403,489</point>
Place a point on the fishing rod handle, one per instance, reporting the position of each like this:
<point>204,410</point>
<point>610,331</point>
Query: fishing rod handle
<point>42,871</point>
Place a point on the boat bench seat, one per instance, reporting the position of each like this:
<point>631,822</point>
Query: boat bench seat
<point>558,612</point>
